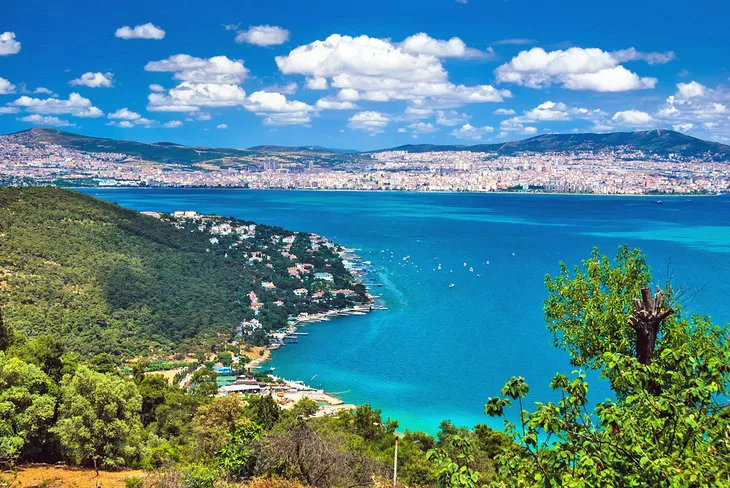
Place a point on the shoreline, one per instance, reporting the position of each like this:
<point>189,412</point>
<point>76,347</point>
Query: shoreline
<point>303,390</point>
<point>420,192</point>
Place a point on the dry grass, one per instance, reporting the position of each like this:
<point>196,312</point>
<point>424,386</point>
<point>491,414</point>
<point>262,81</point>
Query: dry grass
<point>57,476</point>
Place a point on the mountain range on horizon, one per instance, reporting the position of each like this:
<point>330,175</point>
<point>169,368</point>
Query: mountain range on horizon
<point>656,141</point>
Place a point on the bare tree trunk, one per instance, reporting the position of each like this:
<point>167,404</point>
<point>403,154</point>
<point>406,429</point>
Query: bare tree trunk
<point>649,313</point>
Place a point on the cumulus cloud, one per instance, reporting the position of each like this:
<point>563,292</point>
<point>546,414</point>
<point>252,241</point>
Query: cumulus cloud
<point>422,43</point>
<point>550,111</point>
<point>8,44</point>
<point>369,121</point>
<point>575,69</point>
<point>173,124</point>
<point>75,105</point>
<point>504,111</point>
<point>450,118</point>
<point>46,120</point>
<point>93,80</point>
<point>263,35</point>
<point>472,133</point>
<point>277,110</point>
<point>190,97</point>
<point>631,54</point>
<point>218,69</point>
<point>221,126</point>
<point>41,90</point>
<point>9,110</point>
<point>144,31</point>
<point>375,69</point>
<point>632,118</point>
<point>694,106</point>
<point>6,87</point>
<point>317,83</point>
<point>334,104</point>
<point>422,128</point>
<point>127,118</point>
<point>212,82</point>
<point>154,87</point>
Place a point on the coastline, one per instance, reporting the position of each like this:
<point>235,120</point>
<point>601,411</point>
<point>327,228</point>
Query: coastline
<point>298,389</point>
<point>424,192</point>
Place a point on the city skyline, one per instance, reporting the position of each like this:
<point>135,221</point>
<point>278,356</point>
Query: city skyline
<point>325,74</point>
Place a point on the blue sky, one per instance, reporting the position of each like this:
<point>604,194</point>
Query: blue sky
<point>363,75</point>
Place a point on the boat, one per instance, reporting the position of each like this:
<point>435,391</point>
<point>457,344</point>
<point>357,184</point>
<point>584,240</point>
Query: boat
<point>451,285</point>
<point>657,202</point>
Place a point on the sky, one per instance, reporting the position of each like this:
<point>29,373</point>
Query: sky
<point>363,75</point>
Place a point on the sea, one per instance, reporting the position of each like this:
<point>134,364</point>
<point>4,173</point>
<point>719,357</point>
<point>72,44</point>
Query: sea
<point>463,280</point>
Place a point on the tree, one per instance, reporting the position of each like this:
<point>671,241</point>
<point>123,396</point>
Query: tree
<point>263,410</point>
<point>669,424</point>
<point>238,456</point>
<point>99,419</point>
<point>203,382</point>
<point>27,406</point>
<point>5,335</point>
<point>215,423</point>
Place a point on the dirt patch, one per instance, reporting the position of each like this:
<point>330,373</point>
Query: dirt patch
<point>52,476</point>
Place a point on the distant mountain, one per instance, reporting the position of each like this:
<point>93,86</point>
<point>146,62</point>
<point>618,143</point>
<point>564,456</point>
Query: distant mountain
<point>658,141</point>
<point>170,152</point>
<point>300,150</point>
<point>163,152</point>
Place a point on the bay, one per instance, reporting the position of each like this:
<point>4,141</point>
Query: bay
<point>439,352</point>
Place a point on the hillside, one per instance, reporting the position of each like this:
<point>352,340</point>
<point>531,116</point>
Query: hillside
<point>104,278</point>
<point>164,152</point>
<point>659,141</point>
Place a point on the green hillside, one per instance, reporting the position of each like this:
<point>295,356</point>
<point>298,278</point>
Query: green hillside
<point>658,141</point>
<point>104,278</point>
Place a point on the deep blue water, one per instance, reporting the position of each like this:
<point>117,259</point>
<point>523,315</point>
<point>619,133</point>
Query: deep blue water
<point>439,352</point>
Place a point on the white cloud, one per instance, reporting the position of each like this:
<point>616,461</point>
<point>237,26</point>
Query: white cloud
<point>8,44</point>
<point>515,41</point>
<point>615,79</point>
<point>144,31</point>
<point>9,110</point>
<point>633,118</point>
<point>379,70</point>
<point>422,127</point>
<point>75,105</point>
<point>263,35</point>
<point>126,118</point>
<point>124,114</point>
<point>575,68</point>
<point>287,89</point>
<point>277,110</point>
<point>190,97</point>
<point>173,124</point>
<point>93,80</point>
<point>212,82</point>
<point>46,120</point>
<point>451,118</point>
<point>470,132</point>
<point>683,127</point>
<point>218,69</point>
<point>221,126</point>
<point>41,90</point>
<point>317,83</point>
<point>156,88</point>
<point>334,104</point>
<point>422,43</point>
<point>6,87</point>
<point>691,89</point>
<point>631,54</point>
<point>369,121</point>
<point>504,111</point>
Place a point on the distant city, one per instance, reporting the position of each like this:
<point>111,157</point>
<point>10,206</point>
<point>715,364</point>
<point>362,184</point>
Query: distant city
<point>613,170</point>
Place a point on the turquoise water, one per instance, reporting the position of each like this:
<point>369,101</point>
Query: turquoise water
<point>439,352</point>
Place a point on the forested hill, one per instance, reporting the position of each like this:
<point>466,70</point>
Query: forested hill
<point>657,141</point>
<point>104,278</point>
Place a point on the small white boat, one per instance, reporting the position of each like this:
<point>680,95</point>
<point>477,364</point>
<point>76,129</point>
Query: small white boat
<point>451,285</point>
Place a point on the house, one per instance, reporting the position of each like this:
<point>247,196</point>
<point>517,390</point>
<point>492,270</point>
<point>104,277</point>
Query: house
<point>345,291</point>
<point>240,389</point>
<point>301,292</point>
<point>268,285</point>
<point>324,276</point>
